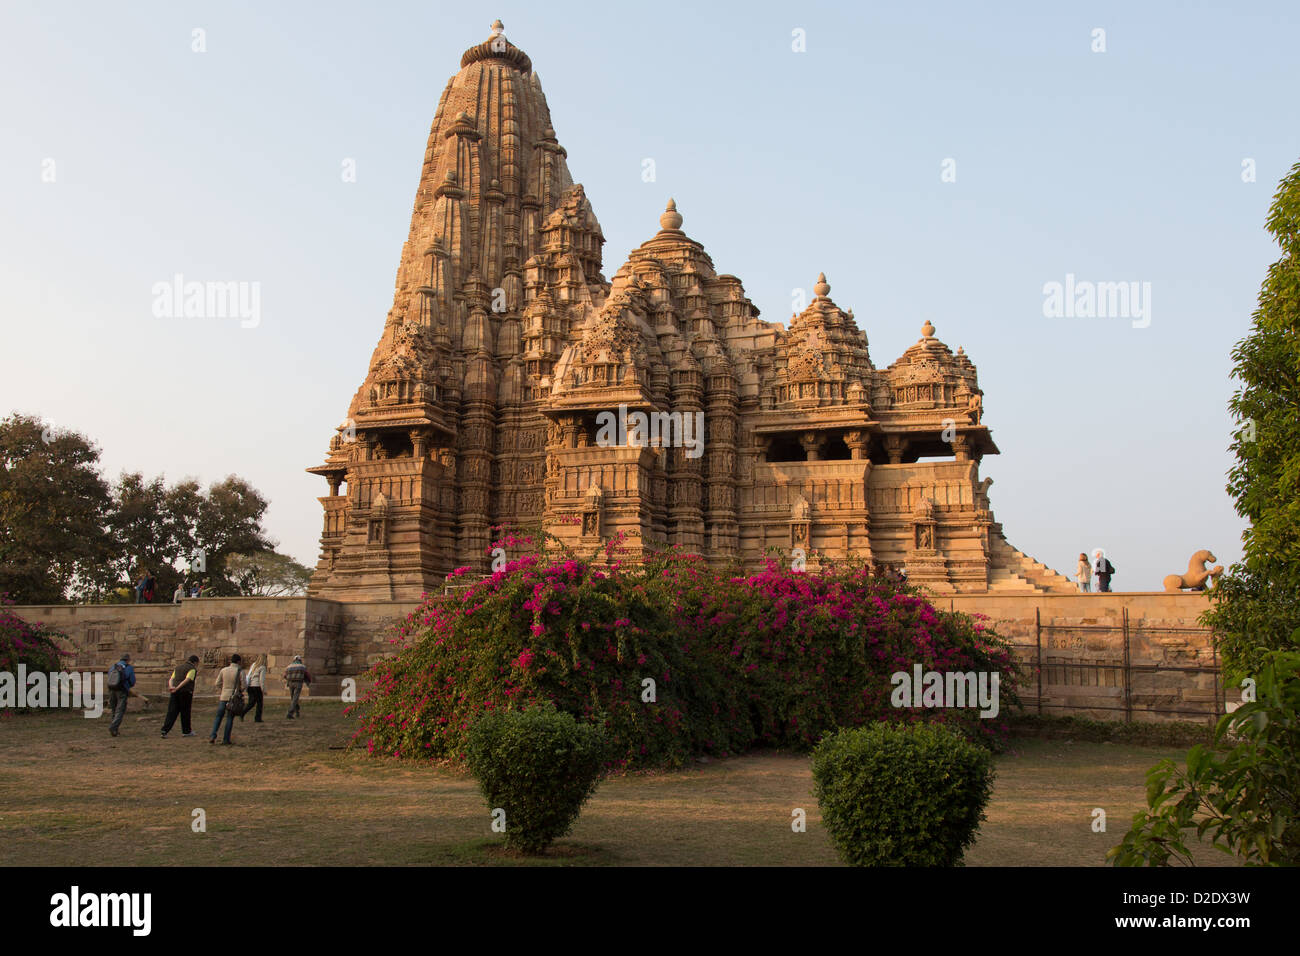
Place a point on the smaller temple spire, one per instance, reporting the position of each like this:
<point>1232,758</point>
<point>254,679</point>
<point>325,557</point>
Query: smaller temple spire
<point>822,289</point>
<point>671,218</point>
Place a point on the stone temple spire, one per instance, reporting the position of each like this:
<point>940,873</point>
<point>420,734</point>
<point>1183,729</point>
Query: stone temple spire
<point>497,223</point>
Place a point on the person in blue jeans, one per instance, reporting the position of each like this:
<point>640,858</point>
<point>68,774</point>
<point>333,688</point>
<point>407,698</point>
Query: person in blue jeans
<point>117,696</point>
<point>227,683</point>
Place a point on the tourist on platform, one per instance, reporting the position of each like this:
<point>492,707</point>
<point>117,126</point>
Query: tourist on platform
<point>139,587</point>
<point>1085,574</point>
<point>149,583</point>
<point>295,675</point>
<point>1103,569</point>
<point>227,684</point>
<point>117,696</point>
<point>178,594</point>
<point>181,687</point>
<point>256,681</point>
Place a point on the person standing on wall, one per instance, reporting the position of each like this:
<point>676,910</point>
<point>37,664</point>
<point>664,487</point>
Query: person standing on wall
<point>1103,569</point>
<point>181,687</point>
<point>1085,574</point>
<point>230,697</point>
<point>295,675</point>
<point>256,681</point>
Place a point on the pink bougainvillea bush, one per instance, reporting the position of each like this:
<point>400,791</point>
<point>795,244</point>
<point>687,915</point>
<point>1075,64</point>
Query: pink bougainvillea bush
<point>672,658</point>
<point>22,642</point>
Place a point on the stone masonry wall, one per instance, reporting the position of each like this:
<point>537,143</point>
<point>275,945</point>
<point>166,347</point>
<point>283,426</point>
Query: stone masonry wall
<point>1088,629</point>
<point>338,640</point>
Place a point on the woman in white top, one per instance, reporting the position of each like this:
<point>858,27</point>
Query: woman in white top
<point>256,681</point>
<point>1085,574</point>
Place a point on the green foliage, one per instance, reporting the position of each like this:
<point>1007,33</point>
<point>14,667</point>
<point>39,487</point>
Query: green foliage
<point>1257,605</point>
<point>540,766</point>
<point>1243,790</point>
<point>160,528</point>
<point>267,574</point>
<point>53,504</point>
<point>64,533</point>
<point>901,795</point>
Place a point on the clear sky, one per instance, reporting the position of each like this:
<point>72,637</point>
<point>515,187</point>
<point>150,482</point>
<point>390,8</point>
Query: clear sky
<point>1122,165</point>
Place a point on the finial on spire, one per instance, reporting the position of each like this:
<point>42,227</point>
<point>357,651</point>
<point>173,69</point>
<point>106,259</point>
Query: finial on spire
<point>498,28</point>
<point>927,330</point>
<point>822,289</point>
<point>671,218</point>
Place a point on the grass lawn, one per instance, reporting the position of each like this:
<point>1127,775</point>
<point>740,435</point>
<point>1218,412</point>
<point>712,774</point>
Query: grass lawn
<point>289,793</point>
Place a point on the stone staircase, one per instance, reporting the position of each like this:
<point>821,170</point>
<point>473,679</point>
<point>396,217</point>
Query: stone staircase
<point>1004,581</point>
<point>1011,571</point>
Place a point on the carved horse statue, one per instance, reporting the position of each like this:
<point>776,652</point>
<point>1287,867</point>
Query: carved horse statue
<point>1197,576</point>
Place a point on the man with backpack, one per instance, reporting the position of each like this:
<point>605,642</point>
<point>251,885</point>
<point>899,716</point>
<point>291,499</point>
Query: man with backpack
<point>121,678</point>
<point>295,675</point>
<point>1103,569</point>
<point>181,687</point>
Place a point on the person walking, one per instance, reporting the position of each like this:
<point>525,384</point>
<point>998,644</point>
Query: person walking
<point>227,684</point>
<point>256,681</point>
<point>295,675</point>
<point>121,678</point>
<point>1085,574</point>
<point>181,687</point>
<point>1103,569</point>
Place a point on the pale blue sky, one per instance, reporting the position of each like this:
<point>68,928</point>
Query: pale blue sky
<point>225,165</point>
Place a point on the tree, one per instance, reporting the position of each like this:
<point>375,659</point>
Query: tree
<point>226,520</point>
<point>1243,790</point>
<point>53,510</point>
<point>1257,606</point>
<point>267,574</point>
<point>182,533</point>
<point>145,535</point>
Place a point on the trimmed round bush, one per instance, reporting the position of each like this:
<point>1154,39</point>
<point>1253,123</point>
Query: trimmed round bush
<point>901,795</point>
<point>540,766</point>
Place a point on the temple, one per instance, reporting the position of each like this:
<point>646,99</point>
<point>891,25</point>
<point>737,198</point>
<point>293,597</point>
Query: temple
<point>513,385</point>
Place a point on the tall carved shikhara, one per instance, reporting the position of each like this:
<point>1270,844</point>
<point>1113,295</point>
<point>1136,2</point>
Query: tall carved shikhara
<point>505,343</point>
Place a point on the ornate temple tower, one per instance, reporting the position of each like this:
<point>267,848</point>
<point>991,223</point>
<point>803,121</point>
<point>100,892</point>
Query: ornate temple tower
<point>444,430</point>
<point>506,357</point>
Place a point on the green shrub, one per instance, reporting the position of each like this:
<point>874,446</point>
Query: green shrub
<point>1242,790</point>
<point>538,765</point>
<point>901,795</point>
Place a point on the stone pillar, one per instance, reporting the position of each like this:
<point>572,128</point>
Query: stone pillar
<point>857,442</point>
<point>895,445</point>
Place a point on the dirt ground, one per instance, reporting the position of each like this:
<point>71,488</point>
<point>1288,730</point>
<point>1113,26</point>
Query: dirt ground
<point>288,792</point>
